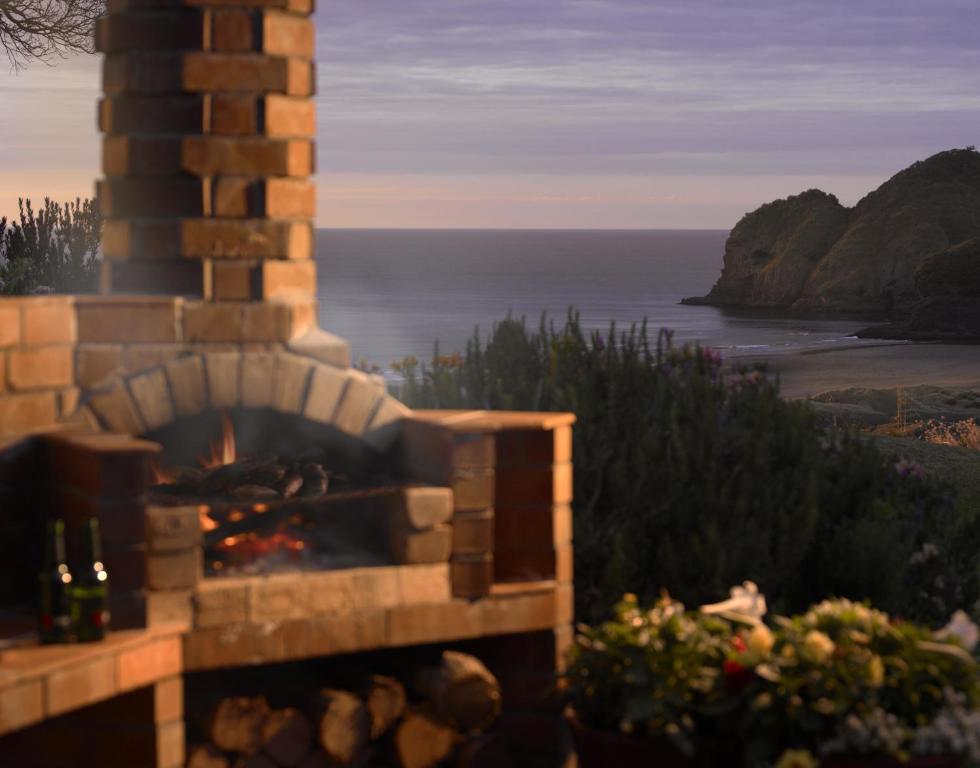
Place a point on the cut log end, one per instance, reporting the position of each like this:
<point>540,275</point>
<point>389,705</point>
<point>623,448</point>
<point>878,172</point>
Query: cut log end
<point>236,725</point>
<point>385,701</point>
<point>464,692</point>
<point>286,737</point>
<point>345,725</point>
<point>206,756</point>
<point>421,741</point>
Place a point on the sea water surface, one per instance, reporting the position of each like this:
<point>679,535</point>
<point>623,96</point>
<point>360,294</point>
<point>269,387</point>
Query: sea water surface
<point>393,293</point>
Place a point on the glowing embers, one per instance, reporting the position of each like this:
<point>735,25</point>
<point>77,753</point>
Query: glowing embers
<point>253,540</point>
<point>262,497</point>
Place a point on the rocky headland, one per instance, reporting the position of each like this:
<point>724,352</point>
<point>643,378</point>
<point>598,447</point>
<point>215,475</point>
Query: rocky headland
<point>907,255</point>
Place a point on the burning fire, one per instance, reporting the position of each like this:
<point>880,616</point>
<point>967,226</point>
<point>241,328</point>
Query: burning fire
<point>248,547</point>
<point>223,448</point>
<point>159,475</point>
<point>238,548</point>
<point>221,451</point>
<point>207,523</point>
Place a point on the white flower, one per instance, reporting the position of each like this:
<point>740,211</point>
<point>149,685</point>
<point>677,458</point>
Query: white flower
<point>746,602</point>
<point>962,627</point>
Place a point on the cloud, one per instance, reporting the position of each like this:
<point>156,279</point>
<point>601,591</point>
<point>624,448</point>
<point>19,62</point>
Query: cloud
<point>587,86</point>
<point>533,100</point>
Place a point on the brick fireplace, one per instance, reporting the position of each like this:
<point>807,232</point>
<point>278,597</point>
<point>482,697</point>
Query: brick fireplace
<point>207,312</point>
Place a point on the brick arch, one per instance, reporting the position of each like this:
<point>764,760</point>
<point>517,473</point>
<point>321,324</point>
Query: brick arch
<point>349,400</point>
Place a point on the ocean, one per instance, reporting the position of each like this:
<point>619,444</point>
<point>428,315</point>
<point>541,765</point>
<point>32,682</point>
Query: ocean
<point>393,293</point>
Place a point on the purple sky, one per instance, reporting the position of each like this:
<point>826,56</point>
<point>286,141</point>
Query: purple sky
<point>595,113</point>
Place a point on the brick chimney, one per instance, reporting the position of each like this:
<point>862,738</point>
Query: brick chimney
<point>208,121</point>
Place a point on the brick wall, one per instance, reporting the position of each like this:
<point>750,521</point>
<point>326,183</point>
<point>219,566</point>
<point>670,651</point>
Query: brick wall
<point>37,368</point>
<point>55,350</point>
<point>207,152</point>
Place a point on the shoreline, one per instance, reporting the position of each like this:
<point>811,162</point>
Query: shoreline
<point>885,365</point>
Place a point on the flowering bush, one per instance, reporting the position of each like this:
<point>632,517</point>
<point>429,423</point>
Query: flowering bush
<point>840,679</point>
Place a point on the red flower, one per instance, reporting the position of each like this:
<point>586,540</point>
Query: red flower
<point>738,644</point>
<point>737,676</point>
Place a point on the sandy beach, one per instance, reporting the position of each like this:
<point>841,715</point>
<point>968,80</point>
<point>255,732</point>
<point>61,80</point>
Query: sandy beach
<point>876,366</point>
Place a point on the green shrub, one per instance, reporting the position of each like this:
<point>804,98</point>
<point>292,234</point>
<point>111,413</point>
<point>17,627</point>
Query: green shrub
<point>55,249</point>
<point>691,477</point>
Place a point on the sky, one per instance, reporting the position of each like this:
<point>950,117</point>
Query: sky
<point>579,113</point>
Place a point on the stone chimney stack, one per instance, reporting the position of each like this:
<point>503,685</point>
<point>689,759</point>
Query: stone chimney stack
<point>208,123</point>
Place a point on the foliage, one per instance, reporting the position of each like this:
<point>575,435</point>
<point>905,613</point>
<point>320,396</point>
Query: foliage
<point>649,672</point>
<point>55,249</point>
<point>690,476</point>
<point>841,678</point>
<point>40,29</point>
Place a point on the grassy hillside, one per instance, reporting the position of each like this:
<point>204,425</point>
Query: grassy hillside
<point>960,466</point>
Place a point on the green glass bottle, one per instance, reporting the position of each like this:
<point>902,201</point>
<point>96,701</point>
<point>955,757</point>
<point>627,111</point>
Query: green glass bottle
<point>91,588</point>
<point>54,616</point>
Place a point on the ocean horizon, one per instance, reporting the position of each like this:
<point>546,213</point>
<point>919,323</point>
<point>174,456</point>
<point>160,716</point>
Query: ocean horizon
<point>395,292</point>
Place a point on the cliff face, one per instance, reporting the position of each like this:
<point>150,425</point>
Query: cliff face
<point>809,253</point>
<point>772,252</point>
<point>948,295</point>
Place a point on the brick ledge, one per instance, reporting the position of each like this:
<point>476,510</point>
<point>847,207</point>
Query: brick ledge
<point>39,682</point>
<point>527,607</point>
<point>496,421</point>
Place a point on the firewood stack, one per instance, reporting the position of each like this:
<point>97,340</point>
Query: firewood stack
<point>441,720</point>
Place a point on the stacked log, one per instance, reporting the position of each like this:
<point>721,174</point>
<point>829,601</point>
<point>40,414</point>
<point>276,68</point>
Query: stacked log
<point>441,720</point>
<point>465,693</point>
<point>421,741</point>
<point>286,737</point>
<point>237,724</point>
<point>385,701</point>
<point>345,726</point>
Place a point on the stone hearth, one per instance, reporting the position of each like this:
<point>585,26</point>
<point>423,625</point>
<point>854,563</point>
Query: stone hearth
<point>207,307</point>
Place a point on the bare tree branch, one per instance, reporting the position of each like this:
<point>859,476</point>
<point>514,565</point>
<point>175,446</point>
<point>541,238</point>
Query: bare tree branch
<point>37,30</point>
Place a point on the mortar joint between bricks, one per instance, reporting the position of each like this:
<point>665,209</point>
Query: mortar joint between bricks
<point>205,376</point>
<point>307,384</point>
<point>344,391</point>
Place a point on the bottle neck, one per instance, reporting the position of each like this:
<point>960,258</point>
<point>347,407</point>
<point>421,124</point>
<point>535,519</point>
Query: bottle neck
<point>93,542</point>
<point>54,554</point>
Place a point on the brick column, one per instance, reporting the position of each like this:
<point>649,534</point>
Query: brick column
<point>460,456</point>
<point>207,151</point>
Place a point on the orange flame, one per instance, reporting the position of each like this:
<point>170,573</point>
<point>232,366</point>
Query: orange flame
<point>207,523</point>
<point>221,451</point>
<point>223,448</point>
<point>159,475</point>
